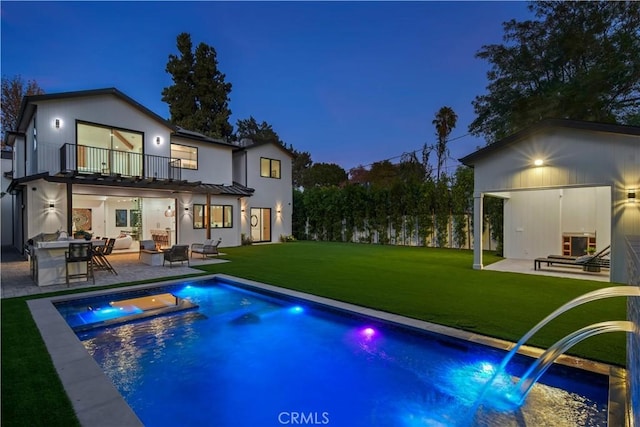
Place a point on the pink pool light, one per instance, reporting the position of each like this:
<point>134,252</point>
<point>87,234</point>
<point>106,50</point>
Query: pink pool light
<point>368,332</point>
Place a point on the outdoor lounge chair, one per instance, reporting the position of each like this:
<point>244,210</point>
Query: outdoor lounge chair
<point>206,249</point>
<point>177,253</point>
<point>588,262</point>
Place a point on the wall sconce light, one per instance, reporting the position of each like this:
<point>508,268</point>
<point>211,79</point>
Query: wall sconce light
<point>57,123</point>
<point>157,140</point>
<point>631,195</point>
<point>242,210</point>
<point>279,211</point>
<point>169,212</point>
<point>538,162</point>
<point>50,205</point>
<point>186,208</point>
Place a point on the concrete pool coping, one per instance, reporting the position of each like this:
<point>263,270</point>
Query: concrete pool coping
<point>95,398</point>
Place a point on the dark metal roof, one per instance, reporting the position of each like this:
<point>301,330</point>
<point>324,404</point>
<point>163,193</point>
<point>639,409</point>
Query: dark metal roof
<point>470,159</point>
<point>235,189</point>
<point>196,136</point>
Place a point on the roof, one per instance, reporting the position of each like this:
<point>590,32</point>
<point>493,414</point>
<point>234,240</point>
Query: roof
<point>236,189</point>
<point>28,104</point>
<point>28,108</point>
<point>472,158</point>
<point>196,136</point>
<point>254,144</point>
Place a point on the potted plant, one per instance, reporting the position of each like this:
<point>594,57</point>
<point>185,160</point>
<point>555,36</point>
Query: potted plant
<point>82,234</point>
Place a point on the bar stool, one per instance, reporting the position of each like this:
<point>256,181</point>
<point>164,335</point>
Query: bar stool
<point>80,252</point>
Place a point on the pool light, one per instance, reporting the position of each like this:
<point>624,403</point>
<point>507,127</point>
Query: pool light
<point>368,332</point>
<point>296,309</point>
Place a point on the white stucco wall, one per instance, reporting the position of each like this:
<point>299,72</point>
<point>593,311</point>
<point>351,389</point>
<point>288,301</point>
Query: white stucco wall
<point>215,164</point>
<point>276,194</point>
<point>184,219</point>
<point>6,203</point>
<point>106,110</point>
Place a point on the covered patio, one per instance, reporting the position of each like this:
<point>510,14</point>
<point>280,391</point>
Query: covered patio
<point>525,266</point>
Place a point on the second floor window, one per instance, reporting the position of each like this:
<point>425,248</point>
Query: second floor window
<point>269,168</point>
<point>188,156</point>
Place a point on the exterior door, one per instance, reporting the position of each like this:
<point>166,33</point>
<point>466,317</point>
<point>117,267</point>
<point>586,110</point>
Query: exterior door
<point>261,224</point>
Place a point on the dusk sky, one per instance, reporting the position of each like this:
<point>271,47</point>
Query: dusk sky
<point>350,82</point>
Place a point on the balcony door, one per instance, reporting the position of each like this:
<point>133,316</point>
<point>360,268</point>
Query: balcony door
<point>108,150</point>
<point>261,224</point>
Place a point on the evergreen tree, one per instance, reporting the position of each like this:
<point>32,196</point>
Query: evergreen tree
<point>263,132</point>
<point>199,97</point>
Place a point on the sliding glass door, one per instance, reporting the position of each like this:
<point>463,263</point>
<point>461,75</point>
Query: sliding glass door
<point>261,224</point>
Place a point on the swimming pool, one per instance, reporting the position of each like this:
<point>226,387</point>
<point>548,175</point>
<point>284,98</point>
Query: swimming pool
<point>243,357</point>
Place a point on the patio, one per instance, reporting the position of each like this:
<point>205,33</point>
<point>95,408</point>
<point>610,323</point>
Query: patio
<point>525,266</point>
<point>15,279</point>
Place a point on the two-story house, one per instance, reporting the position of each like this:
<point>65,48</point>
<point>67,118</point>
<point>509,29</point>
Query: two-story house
<point>99,161</point>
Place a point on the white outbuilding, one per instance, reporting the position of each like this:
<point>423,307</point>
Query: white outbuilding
<point>567,186</point>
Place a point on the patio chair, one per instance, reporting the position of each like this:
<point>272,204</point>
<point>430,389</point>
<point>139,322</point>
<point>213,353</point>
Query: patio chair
<point>100,256</point>
<point>206,249</point>
<point>177,253</point>
<point>588,262</point>
<point>77,253</point>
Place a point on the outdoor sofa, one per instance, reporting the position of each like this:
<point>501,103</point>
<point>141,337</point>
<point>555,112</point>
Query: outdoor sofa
<point>206,249</point>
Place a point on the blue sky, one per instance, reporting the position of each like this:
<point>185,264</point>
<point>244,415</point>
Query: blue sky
<point>350,82</point>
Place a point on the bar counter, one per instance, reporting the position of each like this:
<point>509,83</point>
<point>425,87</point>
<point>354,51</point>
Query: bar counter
<point>48,265</point>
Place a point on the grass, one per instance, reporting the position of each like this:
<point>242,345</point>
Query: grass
<point>436,285</point>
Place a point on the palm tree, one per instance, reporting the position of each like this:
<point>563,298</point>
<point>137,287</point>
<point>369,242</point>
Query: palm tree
<point>445,121</point>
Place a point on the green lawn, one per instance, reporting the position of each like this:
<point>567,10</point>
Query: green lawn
<point>437,285</point>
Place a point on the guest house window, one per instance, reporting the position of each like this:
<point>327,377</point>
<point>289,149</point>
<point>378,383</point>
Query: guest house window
<point>188,156</point>
<point>269,168</point>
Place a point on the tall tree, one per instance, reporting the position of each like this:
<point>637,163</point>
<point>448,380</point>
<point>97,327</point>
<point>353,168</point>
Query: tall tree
<point>324,175</point>
<point>300,164</point>
<point>13,90</point>
<point>444,122</point>
<point>576,60</point>
<point>263,132</point>
<point>199,97</point>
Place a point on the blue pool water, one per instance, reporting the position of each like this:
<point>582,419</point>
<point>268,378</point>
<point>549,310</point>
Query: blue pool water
<point>243,358</point>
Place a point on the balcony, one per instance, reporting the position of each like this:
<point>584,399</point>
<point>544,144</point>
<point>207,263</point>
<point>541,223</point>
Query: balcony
<point>82,159</point>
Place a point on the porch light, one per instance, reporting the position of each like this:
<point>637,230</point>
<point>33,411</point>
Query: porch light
<point>169,212</point>
<point>631,195</point>
<point>51,205</point>
<point>57,123</point>
<point>538,162</point>
<point>157,140</point>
